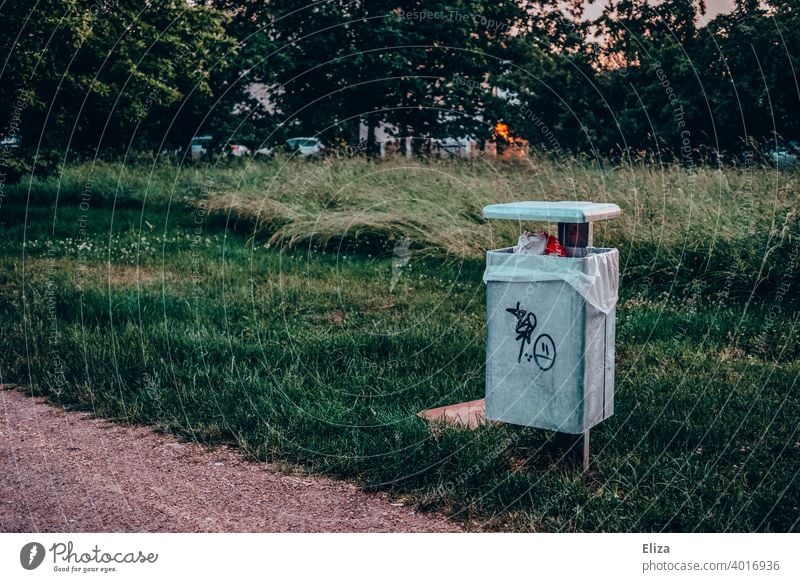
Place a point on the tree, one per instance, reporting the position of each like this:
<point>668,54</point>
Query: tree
<point>755,90</point>
<point>108,75</point>
<point>241,86</point>
<point>552,79</point>
<point>420,67</point>
<point>651,63</point>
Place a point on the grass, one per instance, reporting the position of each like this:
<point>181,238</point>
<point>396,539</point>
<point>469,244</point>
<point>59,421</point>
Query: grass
<point>261,305</point>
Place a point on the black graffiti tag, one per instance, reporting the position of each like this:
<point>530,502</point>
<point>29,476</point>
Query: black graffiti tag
<point>526,323</point>
<point>544,352</point>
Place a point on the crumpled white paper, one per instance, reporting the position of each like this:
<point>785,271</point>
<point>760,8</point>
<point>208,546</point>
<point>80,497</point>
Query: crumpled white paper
<point>531,243</point>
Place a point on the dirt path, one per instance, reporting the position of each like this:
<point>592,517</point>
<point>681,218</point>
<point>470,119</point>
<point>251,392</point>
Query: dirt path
<point>67,472</point>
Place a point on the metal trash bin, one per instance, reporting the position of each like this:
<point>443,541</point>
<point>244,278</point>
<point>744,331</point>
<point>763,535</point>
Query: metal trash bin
<point>551,323</point>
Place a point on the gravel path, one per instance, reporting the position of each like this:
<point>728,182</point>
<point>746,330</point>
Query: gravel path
<point>68,472</point>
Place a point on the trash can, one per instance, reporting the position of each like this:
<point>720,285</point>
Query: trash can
<point>551,323</point>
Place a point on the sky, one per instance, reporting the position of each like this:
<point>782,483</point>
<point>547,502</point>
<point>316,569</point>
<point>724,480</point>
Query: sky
<point>713,7</point>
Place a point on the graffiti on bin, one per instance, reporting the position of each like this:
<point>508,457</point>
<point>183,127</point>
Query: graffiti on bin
<point>544,349</point>
<point>526,323</point>
<point>544,352</point>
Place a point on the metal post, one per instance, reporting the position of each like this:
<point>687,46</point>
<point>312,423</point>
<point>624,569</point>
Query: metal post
<point>586,450</point>
<point>575,237</point>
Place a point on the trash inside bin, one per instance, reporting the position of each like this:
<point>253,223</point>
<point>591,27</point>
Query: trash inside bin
<point>539,243</point>
<point>551,323</point>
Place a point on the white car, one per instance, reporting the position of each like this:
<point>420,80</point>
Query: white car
<point>199,146</point>
<point>784,157</point>
<point>305,147</point>
<point>11,143</point>
<point>237,151</point>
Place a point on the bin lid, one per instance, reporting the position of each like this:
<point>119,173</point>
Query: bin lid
<point>553,211</point>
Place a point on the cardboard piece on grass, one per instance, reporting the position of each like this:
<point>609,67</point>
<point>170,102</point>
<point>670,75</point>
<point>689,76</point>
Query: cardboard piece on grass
<point>470,414</point>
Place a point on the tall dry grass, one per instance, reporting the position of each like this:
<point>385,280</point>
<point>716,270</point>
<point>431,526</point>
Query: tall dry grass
<point>438,204</point>
<point>734,228</point>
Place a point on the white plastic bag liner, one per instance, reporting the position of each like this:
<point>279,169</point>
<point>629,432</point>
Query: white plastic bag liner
<point>595,277</point>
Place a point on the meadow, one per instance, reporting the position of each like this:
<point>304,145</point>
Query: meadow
<point>272,305</point>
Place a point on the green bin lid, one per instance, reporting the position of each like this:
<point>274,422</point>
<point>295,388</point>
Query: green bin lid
<point>576,212</point>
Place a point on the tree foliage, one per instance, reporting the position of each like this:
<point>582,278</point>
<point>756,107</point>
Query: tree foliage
<point>110,75</point>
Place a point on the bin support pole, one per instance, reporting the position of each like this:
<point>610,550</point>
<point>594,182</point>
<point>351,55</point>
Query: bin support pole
<point>575,237</point>
<point>586,450</point>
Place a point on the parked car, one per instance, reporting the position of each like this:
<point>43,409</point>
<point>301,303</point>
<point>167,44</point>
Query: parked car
<point>199,146</point>
<point>265,151</point>
<point>785,156</point>
<point>237,150</point>
<point>305,147</point>
<point>10,142</point>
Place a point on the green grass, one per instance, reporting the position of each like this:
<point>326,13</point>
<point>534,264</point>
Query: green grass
<point>253,304</point>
